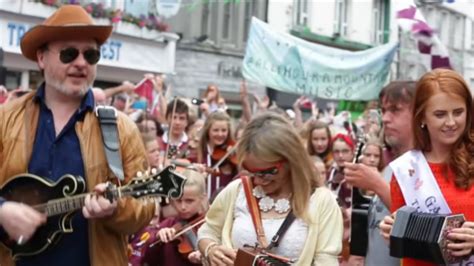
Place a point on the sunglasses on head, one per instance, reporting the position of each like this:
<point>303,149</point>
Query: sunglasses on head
<point>265,173</point>
<point>67,55</point>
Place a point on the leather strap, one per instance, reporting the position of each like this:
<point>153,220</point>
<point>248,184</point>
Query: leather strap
<point>284,226</point>
<point>108,124</point>
<point>254,210</point>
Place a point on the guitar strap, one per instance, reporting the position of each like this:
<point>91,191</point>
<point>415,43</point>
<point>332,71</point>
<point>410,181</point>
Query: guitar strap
<point>108,124</point>
<point>254,211</point>
<point>257,221</point>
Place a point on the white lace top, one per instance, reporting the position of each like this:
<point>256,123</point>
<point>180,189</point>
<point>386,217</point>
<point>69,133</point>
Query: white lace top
<point>243,231</point>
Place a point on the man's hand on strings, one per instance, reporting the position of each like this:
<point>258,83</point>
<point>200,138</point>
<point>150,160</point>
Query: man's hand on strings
<point>96,205</point>
<point>20,221</point>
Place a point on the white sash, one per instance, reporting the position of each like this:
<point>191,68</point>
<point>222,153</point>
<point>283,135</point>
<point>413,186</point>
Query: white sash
<point>419,187</point>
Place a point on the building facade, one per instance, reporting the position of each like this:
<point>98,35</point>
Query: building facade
<point>361,24</point>
<point>212,46</point>
<point>454,24</point>
<point>129,53</point>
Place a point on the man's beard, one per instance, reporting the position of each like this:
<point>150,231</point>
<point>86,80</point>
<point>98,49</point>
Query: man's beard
<point>394,143</point>
<point>60,87</point>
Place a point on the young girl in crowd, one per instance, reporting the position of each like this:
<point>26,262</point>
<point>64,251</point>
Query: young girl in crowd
<point>343,151</point>
<point>283,180</point>
<point>190,208</point>
<point>174,143</point>
<point>215,142</point>
<point>372,153</point>
<point>152,150</point>
<point>319,141</point>
<point>441,164</point>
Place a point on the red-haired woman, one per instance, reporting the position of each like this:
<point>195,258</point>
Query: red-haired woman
<point>441,165</point>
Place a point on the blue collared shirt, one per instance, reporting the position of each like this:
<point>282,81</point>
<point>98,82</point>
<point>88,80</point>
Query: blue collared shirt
<point>54,156</point>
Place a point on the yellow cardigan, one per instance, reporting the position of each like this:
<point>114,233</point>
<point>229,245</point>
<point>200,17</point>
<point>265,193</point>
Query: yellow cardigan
<point>322,245</point>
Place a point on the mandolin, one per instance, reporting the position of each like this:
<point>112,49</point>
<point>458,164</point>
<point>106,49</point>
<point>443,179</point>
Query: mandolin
<point>58,200</point>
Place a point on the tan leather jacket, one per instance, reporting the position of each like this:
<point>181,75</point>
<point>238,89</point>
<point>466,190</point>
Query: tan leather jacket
<point>107,236</point>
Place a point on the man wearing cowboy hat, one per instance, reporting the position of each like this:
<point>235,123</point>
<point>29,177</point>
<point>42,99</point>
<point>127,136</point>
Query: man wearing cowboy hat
<point>53,131</point>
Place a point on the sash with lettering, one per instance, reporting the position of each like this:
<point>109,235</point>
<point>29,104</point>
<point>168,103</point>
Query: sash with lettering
<point>419,187</point>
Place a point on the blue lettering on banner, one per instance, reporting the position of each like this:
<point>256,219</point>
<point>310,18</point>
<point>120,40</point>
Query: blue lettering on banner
<point>312,69</point>
<point>111,50</point>
<point>16,32</point>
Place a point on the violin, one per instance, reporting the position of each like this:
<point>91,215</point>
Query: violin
<point>225,152</point>
<point>185,236</point>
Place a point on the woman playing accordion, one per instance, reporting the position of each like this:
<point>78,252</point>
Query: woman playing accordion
<point>284,181</point>
<point>437,176</point>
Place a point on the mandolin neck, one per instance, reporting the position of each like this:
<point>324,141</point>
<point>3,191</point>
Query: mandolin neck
<point>64,205</point>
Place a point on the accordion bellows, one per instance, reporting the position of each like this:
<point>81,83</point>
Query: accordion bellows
<point>423,235</point>
<point>248,256</point>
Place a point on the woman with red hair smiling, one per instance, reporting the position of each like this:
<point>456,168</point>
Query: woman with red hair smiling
<point>441,165</point>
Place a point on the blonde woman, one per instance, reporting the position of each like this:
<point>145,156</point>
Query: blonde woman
<point>273,156</point>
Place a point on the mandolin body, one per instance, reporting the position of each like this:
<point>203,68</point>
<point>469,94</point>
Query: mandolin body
<point>33,191</point>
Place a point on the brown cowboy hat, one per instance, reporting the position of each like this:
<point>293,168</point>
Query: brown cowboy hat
<point>68,22</point>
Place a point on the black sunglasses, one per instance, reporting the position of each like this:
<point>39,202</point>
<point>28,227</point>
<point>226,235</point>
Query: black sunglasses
<point>70,54</point>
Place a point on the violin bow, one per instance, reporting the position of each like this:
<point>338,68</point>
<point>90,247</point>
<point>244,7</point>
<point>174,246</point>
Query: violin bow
<point>215,167</point>
<point>183,164</point>
<point>187,229</point>
<point>175,100</point>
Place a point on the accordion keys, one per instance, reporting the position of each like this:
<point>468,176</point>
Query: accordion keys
<point>423,235</point>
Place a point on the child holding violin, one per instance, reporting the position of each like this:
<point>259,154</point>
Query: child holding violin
<point>173,242</point>
<point>215,152</point>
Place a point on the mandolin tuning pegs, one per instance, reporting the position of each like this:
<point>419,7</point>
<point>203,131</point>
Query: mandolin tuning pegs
<point>154,171</point>
<point>139,174</point>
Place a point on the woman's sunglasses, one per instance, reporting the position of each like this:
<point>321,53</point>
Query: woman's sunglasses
<point>266,174</point>
<point>70,54</point>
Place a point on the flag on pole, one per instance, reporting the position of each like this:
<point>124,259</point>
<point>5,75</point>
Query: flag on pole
<point>434,53</point>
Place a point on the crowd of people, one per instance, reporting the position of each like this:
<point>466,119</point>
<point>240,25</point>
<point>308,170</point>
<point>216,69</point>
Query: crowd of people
<point>271,181</point>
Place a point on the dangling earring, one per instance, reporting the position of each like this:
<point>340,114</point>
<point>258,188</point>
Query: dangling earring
<point>423,126</point>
